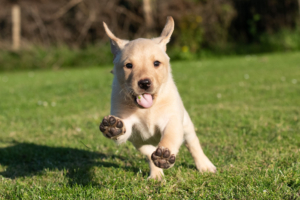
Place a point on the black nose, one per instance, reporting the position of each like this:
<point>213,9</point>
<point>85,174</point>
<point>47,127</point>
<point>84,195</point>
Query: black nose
<point>144,84</point>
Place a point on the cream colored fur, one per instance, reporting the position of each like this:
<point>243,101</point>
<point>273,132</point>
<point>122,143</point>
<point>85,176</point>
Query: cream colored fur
<point>166,123</point>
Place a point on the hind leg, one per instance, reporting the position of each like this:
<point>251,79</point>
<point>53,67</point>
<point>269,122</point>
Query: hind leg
<point>203,164</point>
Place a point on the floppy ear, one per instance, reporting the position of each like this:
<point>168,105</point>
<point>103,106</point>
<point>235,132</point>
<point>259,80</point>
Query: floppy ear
<point>166,33</point>
<point>116,44</point>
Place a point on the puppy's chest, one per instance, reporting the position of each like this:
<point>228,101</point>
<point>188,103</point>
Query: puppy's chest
<point>145,130</point>
<point>148,131</point>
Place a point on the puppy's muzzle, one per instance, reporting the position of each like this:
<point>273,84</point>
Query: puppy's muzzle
<point>144,84</point>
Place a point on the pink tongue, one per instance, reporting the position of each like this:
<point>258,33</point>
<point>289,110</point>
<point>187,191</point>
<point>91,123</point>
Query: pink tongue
<point>144,100</point>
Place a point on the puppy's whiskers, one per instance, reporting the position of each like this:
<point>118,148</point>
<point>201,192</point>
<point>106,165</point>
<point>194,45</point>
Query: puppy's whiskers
<point>128,93</point>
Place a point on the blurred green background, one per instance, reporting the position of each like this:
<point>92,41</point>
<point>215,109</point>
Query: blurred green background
<point>69,33</point>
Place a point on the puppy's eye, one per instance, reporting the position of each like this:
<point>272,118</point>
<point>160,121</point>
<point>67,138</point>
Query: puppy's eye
<point>128,65</point>
<point>156,63</point>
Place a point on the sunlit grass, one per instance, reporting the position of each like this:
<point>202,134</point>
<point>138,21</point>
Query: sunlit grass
<point>246,111</point>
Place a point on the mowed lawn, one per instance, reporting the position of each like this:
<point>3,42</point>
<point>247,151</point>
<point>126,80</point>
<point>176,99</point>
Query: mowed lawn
<point>246,111</point>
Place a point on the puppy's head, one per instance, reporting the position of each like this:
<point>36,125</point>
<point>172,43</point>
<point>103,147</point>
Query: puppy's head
<point>142,65</point>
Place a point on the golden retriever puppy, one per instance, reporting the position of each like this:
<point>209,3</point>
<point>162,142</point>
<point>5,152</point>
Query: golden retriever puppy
<point>146,108</point>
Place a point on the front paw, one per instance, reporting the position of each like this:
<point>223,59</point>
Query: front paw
<point>162,158</point>
<point>112,127</point>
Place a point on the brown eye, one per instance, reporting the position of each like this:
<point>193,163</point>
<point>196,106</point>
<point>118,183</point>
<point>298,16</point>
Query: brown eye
<point>156,63</point>
<point>129,65</point>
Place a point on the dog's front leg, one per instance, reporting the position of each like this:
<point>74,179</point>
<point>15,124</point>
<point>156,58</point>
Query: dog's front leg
<point>172,138</point>
<point>155,172</point>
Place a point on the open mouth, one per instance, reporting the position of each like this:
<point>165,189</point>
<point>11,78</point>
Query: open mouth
<point>144,100</point>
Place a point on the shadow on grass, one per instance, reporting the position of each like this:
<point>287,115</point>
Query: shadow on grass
<point>27,159</point>
<point>187,165</point>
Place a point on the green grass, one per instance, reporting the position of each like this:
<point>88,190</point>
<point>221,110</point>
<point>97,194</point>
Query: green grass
<point>39,57</point>
<point>246,111</point>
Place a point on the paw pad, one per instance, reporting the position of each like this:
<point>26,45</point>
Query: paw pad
<point>162,158</point>
<point>112,127</point>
